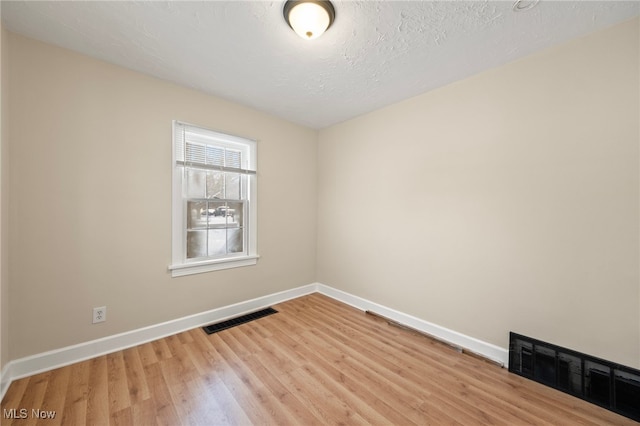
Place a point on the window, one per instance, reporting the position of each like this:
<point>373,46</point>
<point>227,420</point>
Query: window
<point>214,208</point>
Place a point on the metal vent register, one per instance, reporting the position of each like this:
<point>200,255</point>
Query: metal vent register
<point>214,328</point>
<point>604,383</point>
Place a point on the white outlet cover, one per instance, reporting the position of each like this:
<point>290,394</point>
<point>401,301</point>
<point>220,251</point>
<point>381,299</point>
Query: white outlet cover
<point>99,314</point>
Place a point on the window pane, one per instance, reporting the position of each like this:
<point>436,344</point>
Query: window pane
<point>215,155</point>
<point>232,186</point>
<point>196,183</point>
<point>196,244</point>
<point>196,214</point>
<point>217,242</point>
<point>234,215</point>
<point>233,159</point>
<point>234,240</point>
<point>218,211</point>
<point>194,153</point>
<point>215,185</point>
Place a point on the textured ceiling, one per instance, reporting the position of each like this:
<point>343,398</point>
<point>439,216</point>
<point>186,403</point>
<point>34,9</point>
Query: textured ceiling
<point>375,54</point>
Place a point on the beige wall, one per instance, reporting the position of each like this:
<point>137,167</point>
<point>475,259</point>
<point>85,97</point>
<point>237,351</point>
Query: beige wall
<point>4,202</point>
<point>507,201</point>
<point>90,200</point>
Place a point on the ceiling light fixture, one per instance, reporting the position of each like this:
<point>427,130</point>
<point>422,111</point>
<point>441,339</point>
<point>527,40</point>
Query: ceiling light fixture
<point>309,18</point>
<point>522,5</point>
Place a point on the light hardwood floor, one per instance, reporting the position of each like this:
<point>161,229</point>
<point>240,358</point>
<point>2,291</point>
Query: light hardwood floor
<point>317,361</point>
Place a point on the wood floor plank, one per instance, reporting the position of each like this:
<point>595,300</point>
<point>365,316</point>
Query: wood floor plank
<point>394,376</point>
<point>75,410</point>
<point>260,404</point>
<point>134,370</point>
<point>54,397</point>
<point>332,410</point>
<point>144,412</point>
<point>316,362</point>
<point>394,392</point>
<point>165,410</point>
<point>161,349</point>
<point>192,408</point>
<point>338,389</point>
<point>147,353</point>
<point>35,399</point>
<point>12,399</point>
<point>218,391</point>
<point>349,383</point>
<point>287,396</point>
<point>117,382</point>
<point>122,417</point>
<point>98,396</point>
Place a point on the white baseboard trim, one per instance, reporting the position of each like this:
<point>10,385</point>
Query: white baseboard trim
<point>56,358</point>
<point>5,379</point>
<point>487,350</point>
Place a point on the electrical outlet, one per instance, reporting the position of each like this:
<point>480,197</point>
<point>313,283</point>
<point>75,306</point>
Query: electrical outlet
<point>99,314</point>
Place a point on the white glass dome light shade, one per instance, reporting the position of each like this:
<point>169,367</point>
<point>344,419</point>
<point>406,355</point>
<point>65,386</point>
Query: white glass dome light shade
<point>309,19</point>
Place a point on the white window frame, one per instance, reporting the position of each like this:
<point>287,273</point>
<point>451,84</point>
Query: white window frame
<point>180,265</point>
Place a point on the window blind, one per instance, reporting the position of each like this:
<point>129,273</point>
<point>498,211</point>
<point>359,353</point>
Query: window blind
<point>205,149</point>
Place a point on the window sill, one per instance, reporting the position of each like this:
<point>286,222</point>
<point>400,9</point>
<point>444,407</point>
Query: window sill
<point>182,269</point>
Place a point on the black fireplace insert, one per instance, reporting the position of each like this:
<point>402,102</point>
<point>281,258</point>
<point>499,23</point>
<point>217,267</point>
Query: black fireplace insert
<point>610,385</point>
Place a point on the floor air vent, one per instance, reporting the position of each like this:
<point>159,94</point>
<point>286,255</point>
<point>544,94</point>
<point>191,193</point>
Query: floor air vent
<point>214,328</point>
<point>604,383</point>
